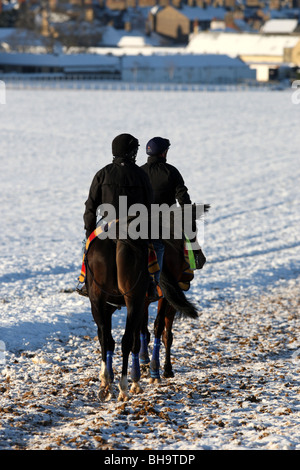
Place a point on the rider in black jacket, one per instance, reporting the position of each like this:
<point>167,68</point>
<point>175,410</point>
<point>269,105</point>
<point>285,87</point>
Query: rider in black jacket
<point>122,177</point>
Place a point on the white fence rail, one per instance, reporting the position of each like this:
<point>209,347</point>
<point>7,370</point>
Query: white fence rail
<point>89,82</point>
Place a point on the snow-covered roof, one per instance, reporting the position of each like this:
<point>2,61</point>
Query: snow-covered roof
<point>181,60</point>
<point>92,61</point>
<point>61,61</point>
<point>235,44</point>
<point>203,14</point>
<point>131,40</point>
<point>55,17</point>
<point>118,38</point>
<point>155,9</point>
<point>279,26</point>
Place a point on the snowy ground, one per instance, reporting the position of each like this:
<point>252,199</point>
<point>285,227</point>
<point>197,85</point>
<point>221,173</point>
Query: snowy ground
<point>237,366</point>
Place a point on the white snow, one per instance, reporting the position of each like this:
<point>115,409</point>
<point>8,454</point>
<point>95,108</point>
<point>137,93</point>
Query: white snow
<point>236,383</point>
<point>239,44</point>
<point>128,39</point>
<point>279,26</point>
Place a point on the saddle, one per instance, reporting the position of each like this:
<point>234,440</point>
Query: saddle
<point>153,267</point>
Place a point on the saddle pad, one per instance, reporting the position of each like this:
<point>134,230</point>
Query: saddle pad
<point>96,233</point>
<point>153,266</point>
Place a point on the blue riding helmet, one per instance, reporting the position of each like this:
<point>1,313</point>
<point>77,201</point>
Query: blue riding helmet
<point>157,146</point>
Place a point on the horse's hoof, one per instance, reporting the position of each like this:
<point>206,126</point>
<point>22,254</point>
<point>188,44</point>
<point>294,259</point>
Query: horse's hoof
<point>123,396</point>
<point>154,380</point>
<point>136,388</point>
<point>105,393</point>
<point>168,374</point>
<point>123,387</point>
<point>154,372</point>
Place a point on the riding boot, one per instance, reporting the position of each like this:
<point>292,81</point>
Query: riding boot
<point>82,290</point>
<point>152,293</point>
<point>200,259</point>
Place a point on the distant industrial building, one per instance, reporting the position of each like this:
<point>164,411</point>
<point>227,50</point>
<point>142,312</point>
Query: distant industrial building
<point>174,68</point>
<point>92,65</point>
<point>186,68</point>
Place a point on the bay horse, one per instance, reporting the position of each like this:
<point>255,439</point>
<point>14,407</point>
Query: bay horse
<point>117,275</point>
<point>174,302</point>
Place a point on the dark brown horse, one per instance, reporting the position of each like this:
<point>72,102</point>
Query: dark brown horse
<point>173,302</point>
<point>117,275</point>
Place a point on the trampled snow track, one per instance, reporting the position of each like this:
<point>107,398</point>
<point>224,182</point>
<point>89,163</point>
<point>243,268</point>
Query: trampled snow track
<point>236,386</point>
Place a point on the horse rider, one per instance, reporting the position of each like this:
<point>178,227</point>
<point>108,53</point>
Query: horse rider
<point>168,187</point>
<point>122,177</point>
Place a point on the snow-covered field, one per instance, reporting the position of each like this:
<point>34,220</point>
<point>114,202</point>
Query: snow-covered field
<point>236,383</point>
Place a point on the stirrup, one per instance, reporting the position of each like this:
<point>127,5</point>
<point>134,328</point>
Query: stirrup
<point>152,294</point>
<point>198,265</point>
<point>82,290</point>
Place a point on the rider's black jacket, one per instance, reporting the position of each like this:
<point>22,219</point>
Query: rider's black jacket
<point>166,181</point>
<point>122,177</point>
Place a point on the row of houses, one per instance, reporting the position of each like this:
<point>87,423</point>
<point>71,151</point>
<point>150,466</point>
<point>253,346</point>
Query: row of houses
<point>179,23</point>
<point>154,68</point>
<point>268,55</point>
<point>173,19</point>
<point>259,56</point>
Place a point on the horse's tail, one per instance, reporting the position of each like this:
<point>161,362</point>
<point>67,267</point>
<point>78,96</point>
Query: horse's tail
<point>175,296</point>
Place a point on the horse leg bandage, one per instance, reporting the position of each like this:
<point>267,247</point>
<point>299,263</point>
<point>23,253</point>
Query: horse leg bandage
<point>135,368</point>
<point>144,358</point>
<point>154,364</point>
<point>109,356</point>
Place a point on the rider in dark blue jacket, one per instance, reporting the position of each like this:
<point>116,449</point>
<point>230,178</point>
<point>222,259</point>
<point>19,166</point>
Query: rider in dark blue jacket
<point>167,184</point>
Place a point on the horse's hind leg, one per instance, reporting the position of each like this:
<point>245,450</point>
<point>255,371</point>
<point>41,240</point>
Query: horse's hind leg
<point>145,339</point>
<point>102,315</point>
<point>106,374</point>
<point>133,278</point>
<point>168,340</point>
<point>131,343</point>
<point>159,325</point>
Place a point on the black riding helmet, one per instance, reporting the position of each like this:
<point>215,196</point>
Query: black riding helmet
<point>157,146</point>
<point>125,145</point>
